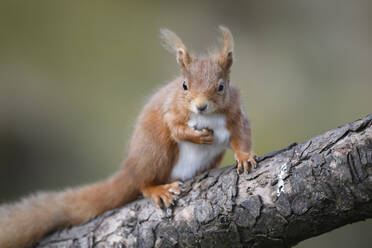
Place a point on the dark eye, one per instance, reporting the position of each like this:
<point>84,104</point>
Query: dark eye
<point>184,85</point>
<point>220,88</point>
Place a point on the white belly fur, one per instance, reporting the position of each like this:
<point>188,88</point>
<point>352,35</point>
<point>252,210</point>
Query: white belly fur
<point>194,157</point>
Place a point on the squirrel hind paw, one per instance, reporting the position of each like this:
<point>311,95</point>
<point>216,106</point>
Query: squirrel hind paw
<point>163,194</point>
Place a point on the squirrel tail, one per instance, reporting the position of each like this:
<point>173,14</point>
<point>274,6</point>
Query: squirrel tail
<point>24,222</point>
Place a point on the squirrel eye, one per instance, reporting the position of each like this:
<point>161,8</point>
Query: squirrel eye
<point>220,88</point>
<point>184,85</point>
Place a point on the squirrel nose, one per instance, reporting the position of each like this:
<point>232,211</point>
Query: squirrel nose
<point>202,107</point>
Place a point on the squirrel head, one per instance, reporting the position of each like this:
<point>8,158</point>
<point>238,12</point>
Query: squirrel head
<point>205,80</point>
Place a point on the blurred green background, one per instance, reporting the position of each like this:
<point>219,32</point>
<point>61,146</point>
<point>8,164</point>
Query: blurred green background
<point>74,75</point>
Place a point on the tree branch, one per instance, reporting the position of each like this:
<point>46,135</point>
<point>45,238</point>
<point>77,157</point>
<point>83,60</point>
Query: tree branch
<point>296,193</point>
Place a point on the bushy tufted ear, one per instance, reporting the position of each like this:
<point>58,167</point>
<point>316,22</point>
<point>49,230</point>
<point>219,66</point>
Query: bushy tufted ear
<point>175,45</point>
<point>225,59</point>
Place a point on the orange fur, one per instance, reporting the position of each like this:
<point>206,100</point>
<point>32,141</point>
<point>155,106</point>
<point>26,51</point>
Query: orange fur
<point>153,150</point>
<point>162,193</point>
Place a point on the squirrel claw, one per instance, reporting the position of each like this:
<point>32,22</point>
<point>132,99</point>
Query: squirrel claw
<point>162,194</point>
<point>245,162</point>
<point>175,188</point>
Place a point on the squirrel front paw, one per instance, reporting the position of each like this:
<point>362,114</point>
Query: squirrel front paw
<point>203,136</point>
<point>162,194</point>
<point>243,160</point>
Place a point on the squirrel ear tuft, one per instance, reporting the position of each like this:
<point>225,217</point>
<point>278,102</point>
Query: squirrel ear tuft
<point>174,44</point>
<point>225,59</point>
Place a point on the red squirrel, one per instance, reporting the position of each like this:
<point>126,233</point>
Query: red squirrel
<point>182,131</point>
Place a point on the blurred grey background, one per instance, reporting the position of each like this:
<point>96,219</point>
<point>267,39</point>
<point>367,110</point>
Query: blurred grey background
<point>74,75</point>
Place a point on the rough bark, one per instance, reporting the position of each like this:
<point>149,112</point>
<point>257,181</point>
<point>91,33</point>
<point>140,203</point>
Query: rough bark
<point>296,193</point>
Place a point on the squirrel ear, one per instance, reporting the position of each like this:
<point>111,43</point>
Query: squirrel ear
<point>174,44</point>
<point>225,59</point>
<point>183,58</point>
